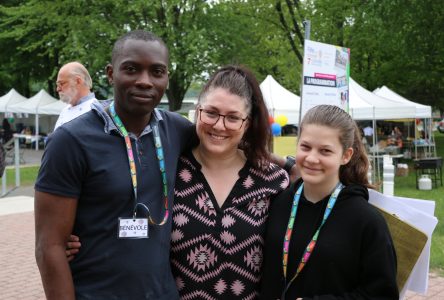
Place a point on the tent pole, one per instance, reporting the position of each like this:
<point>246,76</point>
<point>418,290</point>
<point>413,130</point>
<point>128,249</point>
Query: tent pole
<point>375,154</point>
<point>307,29</point>
<point>36,132</point>
<point>431,138</point>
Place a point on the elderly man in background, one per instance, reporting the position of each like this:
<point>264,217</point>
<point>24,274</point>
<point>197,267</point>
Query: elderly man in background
<point>74,87</point>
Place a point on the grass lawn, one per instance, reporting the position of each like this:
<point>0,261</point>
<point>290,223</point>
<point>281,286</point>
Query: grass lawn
<point>28,176</point>
<point>404,187</point>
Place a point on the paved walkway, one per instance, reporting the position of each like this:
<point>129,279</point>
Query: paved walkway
<point>19,276</point>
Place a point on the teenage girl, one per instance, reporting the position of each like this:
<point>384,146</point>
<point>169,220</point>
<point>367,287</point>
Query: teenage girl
<point>324,240</point>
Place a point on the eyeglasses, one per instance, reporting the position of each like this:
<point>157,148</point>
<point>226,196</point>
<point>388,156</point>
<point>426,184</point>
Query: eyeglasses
<point>231,122</point>
<point>60,84</point>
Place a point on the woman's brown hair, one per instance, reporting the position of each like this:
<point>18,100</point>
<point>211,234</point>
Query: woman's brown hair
<point>240,81</point>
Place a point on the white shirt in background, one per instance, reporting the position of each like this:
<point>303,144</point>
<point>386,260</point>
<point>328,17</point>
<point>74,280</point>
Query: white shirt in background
<point>71,112</point>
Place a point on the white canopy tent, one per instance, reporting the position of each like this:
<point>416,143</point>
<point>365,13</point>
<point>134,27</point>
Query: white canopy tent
<point>365,105</point>
<point>385,106</point>
<point>280,101</point>
<point>421,111</point>
<point>34,105</point>
<point>11,98</point>
<point>53,108</point>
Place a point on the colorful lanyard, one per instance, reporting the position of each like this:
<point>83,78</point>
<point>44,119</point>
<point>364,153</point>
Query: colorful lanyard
<point>132,165</point>
<point>309,249</point>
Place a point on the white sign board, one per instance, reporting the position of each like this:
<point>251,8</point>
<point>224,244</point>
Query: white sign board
<point>326,76</point>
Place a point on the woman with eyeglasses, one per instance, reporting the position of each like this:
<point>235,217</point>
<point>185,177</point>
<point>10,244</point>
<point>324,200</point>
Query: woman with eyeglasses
<point>223,190</point>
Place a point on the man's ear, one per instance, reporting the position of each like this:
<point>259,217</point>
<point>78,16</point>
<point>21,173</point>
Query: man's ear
<point>348,153</point>
<point>109,73</point>
<point>79,80</point>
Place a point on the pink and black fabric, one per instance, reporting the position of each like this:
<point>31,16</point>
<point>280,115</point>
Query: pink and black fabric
<point>217,252</point>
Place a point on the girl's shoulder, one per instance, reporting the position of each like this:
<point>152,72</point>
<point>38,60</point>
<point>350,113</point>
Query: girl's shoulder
<point>354,192</point>
<point>354,198</point>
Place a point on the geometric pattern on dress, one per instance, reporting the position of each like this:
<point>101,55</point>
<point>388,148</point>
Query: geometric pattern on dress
<point>259,192</point>
<point>248,182</point>
<point>191,214</point>
<point>237,287</point>
<point>205,204</point>
<point>254,258</point>
<point>217,253</point>
<point>227,250</point>
<point>189,190</point>
<point>201,257</point>
<point>220,286</point>
<point>176,235</point>
<point>191,242</point>
<point>202,294</point>
<point>180,283</point>
<point>259,207</point>
<point>228,221</point>
<point>227,237</point>
<point>274,173</point>
<point>248,218</point>
<point>185,175</point>
<point>199,294</point>
<point>216,272</point>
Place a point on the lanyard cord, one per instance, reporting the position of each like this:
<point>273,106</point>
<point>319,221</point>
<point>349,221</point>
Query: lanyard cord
<point>309,249</point>
<point>132,165</point>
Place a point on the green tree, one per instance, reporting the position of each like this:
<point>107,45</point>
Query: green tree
<point>261,40</point>
<point>414,61</point>
<point>393,43</point>
<point>47,34</point>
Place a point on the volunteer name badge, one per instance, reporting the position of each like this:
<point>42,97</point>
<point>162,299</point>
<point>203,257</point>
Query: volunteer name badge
<point>130,228</point>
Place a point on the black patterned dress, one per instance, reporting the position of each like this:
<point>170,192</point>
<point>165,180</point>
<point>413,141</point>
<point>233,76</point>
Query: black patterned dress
<point>216,253</point>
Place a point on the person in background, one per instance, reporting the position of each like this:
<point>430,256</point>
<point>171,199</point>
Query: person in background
<point>26,131</point>
<point>74,87</point>
<point>116,188</point>
<point>368,133</point>
<point>324,240</point>
<point>27,141</point>
<point>7,132</point>
<point>398,136</point>
<point>224,187</point>
<point>397,132</point>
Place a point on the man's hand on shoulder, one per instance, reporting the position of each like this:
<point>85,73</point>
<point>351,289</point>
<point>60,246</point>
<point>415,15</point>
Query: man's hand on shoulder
<point>288,164</point>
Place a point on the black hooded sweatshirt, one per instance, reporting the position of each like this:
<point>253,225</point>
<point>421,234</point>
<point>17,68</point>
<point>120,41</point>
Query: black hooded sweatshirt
<point>354,257</point>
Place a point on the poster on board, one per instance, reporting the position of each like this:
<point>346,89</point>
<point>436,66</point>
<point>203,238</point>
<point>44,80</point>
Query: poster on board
<point>326,76</point>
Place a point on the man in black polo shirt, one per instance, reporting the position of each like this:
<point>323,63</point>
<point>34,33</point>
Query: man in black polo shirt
<point>108,177</point>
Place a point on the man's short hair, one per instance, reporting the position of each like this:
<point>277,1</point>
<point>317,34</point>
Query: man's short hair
<point>134,35</point>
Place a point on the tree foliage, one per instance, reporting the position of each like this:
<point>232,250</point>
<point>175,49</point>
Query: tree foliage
<point>393,42</point>
<point>46,34</point>
<point>261,41</point>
